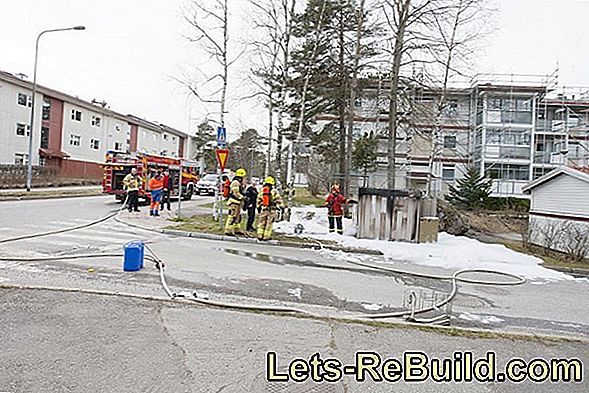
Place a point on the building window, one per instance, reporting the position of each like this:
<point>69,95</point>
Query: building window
<point>96,121</point>
<point>165,136</point>
<point>22,129</point>
<point>46,109</point>
<point>450,142</point>
<point>75,140</point>
<point>76,115</point>
<point>448,172</point>
<point>94,144</point>
<point>118,146</point>
<point>118,128</point>
<point>44,137</point>
<point>24,100</point>
<point>174,139</point>
<point>21,159</point>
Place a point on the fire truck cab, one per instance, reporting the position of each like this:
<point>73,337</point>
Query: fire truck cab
<point>118,165</point>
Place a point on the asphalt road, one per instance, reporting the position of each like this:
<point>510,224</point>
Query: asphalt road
<point>57,341</point>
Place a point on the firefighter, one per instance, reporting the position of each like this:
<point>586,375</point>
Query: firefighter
<point>334,204</point>
<point>168,185</point>
<point>156,185</point>
<point>235,203</point>
<point>269,202</point>
<point>132,183</point>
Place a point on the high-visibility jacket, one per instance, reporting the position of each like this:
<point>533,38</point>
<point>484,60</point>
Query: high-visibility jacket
<point>235,195</point>
<point>270,199</point>
<point>132,183</point>
<point>156,184</point>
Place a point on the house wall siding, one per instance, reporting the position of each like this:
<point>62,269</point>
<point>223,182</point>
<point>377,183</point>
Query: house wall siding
<point>564,195</point>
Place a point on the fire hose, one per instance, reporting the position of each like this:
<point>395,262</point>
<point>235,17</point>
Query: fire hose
<point>455,278</point>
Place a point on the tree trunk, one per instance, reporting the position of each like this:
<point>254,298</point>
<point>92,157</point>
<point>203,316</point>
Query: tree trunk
<point>354,94</point>
<point>342,109</point>
<point>393,94</point>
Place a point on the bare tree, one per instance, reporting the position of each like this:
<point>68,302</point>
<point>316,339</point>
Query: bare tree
<point>402,17</point>
<point>208,20</point>
<point>274,19</point>
<point>455,30</point>
<point>360,26</point>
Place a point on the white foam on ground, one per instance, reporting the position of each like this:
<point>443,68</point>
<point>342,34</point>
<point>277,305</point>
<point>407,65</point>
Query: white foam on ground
<point>296,292</point>
<point>450,252</point>
<point>484,319</point>
<point>372,307</point>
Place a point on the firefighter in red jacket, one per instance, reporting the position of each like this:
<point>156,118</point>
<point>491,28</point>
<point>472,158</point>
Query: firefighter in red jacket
<point>334,203</point>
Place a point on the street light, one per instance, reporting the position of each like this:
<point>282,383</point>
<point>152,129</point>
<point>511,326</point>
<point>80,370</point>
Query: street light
<point>31,123</point>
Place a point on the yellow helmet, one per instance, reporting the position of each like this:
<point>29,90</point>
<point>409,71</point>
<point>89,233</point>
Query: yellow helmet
<point>270,180</point>
<point>240,172</point>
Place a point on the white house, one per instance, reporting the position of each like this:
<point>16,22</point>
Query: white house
<point>73,135</point>
<point>559,211</point>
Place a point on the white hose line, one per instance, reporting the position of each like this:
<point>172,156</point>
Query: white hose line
<point>64,230</point>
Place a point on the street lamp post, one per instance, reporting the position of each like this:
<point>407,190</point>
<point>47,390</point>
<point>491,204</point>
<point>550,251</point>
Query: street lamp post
<point>31,123</point>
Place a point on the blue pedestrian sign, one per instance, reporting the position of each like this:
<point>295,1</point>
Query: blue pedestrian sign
<point>221,136</point>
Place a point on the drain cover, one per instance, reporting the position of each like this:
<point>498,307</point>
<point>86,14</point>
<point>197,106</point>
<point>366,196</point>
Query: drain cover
<point>261,385</point>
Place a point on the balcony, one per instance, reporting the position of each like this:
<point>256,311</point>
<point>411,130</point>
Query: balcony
<point>509,117</point>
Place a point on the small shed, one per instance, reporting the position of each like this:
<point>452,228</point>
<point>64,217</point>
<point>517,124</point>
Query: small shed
<point>559,211</point>
<point>395,215</point>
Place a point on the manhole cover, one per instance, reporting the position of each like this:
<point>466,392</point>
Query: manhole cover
<point>261,385</point>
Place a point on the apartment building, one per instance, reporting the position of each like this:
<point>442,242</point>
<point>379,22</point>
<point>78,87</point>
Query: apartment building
<point>73,135</point>
<point>513,129</point>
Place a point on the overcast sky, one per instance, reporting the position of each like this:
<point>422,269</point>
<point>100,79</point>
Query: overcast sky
<point>132,48</point>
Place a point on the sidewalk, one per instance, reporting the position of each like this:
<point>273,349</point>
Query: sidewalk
<point>49,192</point>
<point>48,189</point>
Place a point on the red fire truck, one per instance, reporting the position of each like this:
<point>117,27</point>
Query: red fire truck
<point>117,165</point>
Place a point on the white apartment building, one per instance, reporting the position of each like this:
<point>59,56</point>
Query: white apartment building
<point>73,135</point>
<point>512,130</point>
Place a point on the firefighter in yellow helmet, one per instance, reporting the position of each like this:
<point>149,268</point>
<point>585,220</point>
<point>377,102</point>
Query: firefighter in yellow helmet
<point>235,203</point>
<point>269,201</point>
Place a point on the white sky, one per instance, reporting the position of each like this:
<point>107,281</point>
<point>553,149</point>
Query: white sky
<point>131,48</point>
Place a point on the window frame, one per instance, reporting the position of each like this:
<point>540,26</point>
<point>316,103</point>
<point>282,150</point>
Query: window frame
<point>74,115</point>
<point>75,140</point>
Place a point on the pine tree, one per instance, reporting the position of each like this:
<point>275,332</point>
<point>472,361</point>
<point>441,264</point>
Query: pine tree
<point>472,192</point>
<point>365,155</point>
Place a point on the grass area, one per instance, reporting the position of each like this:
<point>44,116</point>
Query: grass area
<point>199,223</point>
<point>552,260</point>
<point>206,224</point>
<point>303,197</point>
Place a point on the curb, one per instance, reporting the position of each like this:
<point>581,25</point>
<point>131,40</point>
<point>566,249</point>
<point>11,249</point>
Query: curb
<point>275,243</point>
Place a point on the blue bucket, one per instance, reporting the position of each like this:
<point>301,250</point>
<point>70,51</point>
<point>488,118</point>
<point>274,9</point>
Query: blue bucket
<point>133,260</point>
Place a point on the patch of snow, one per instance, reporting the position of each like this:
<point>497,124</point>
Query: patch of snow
<point>296,292</point>
<point>372,307</point>
<point>484,319</point>
<point>582,279</point>
<point>450,252</point>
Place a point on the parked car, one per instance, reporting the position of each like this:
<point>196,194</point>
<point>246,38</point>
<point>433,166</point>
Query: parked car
<point>207,185</point>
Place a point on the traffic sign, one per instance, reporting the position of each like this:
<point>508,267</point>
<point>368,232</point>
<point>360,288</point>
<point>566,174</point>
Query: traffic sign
<point>221,136</point>
<point>222,155</point>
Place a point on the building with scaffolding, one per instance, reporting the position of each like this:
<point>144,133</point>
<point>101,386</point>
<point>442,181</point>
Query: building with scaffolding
<point>513,129</point>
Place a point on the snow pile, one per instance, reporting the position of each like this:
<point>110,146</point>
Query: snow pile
<point>450,252</point>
